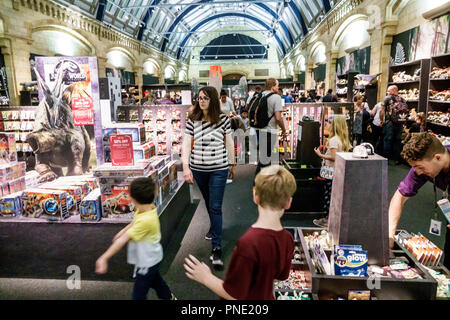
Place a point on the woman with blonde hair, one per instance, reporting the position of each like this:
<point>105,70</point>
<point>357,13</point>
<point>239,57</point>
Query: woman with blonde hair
<point>338,141</point>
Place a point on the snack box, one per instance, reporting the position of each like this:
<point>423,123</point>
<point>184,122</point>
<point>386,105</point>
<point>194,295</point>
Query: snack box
<point>145,151</point>
<point>51,204</point>
<point>75,193</point>
<point>8,150</point>
<point>141,168</point>
<point>91,206</point>
<point>350,262</point>
<point>17,185</point>
<point>136,130</point>
<point>11,205</point>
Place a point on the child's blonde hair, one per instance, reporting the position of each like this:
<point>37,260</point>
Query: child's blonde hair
<point>274,186</point>
<point>339,128</point>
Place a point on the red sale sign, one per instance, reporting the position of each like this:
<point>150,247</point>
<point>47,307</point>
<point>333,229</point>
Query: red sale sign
<point>121,146</point>
<point>82,111</point>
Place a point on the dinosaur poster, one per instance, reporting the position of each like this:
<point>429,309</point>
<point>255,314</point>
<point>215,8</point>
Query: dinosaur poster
<point>68,117</point>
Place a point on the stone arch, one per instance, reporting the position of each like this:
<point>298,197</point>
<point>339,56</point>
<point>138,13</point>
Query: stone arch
<point>182,76</point>
<point>152,67</point>
<point>300,63</point>
<point>346,27</point>
<point>120,58</point>
<point>61,40</point>
<point>394,7</point>
<point>169,72</point>
<point>3,24</point>
<point>235,71</point>
<point>317,53</point>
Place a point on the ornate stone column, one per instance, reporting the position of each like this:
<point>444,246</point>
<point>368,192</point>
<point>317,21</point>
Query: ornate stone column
<point>330,75</point>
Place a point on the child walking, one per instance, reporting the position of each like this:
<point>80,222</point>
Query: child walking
<point>144,250</point>
<point>263,254</point>
<point>338,141</point>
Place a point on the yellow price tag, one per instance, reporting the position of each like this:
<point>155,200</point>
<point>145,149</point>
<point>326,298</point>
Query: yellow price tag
<point>281,149</point>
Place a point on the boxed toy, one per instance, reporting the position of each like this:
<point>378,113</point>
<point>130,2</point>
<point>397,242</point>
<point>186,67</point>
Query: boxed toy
<point>90,180</point>
<point>17,185</point>
<point>136,130</point>
<point>8,151</point>
<point>51,204</point>
<point>74,194</point>
<point>91,206</point>
<point>173,175</point>
<point>157,162</point>
<point>141,168</point>
<point>32,178</point>
<point>11,205</point>
<point>116,201</point>
<point>12,171</point>
<point>145,151</point>
<point>350,261</point>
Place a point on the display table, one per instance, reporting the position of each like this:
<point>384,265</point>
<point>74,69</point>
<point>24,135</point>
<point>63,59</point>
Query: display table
<point>36,248</point>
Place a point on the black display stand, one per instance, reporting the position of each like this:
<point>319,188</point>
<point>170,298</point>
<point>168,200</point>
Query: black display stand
<point>29,98</point>
<point>421,84</point>
<point>40,249</point>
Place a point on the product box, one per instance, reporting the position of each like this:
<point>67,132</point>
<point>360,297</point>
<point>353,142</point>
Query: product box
<point>50,204</point>
<point>32,178</point>
<point>350,261</point>
<point>11,205</point>
<point>145,151</point>
<point>173,175</point>
<point>91,206</point>
<point>8,151</point>
<point>12,171</point>
<point>141,168</point>
<point>116,201</point>
<point>91,181</point>
<point>164,182</point>
<point>157,162</point>
<point>17,185</point>
<point>74,194</point>
<point>136,130</point>
<point>165,158</point>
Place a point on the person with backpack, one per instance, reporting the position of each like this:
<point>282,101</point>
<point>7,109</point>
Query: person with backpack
<point>395,111</point>
<point>265,116</point>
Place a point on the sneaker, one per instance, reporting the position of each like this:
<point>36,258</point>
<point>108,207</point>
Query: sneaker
<point>208,236</point>
<point>323,223</point>
<point>173,297</point>
<point>216,259</point>
<point>229,181</point>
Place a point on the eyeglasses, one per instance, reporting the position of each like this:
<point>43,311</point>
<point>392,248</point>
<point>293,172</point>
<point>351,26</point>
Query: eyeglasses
<point>201,98</point>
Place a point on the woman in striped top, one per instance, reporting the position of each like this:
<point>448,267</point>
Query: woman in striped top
<point>207,153</point>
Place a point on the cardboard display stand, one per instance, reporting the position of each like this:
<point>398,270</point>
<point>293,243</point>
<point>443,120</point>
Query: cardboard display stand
<point>360,215</point>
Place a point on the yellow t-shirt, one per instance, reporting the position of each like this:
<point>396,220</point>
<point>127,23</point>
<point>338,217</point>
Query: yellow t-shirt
<point>144,249</point>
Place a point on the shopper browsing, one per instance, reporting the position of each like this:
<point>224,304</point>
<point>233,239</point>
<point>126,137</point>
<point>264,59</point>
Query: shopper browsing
<point>429,160</point>
<point>338,141</point>
<point>263,254</point>
<point>144,250</point>
<point>208,162</point>
<point>226,104</point>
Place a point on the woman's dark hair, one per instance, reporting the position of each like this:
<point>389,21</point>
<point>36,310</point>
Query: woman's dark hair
<point>214,106</point>
<point>143,190</point>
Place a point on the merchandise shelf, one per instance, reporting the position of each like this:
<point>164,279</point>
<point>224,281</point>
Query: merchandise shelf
<point>330,286</point>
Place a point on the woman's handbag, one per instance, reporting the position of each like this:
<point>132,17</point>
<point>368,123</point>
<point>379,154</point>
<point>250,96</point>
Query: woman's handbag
<point>326,172</point>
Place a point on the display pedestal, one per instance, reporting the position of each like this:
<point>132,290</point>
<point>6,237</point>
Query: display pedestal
<point>359,205</point>
<point>35,248</point>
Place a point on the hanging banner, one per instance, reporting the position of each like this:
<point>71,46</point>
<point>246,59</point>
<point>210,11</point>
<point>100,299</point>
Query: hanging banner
<point>121,149</point>
<point>68,118</point>
<point>215,77</point>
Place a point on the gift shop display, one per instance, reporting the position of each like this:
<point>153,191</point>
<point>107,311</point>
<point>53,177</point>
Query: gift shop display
<point>91,206</point>
<point>46,204</point>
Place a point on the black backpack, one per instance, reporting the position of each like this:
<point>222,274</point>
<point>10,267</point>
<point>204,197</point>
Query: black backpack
<point>257,111</point>
<point>399,111</point>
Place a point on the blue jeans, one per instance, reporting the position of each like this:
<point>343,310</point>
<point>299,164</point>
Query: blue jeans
<point>212,186</point>
<point>392,141</point>
<point>152,279</point>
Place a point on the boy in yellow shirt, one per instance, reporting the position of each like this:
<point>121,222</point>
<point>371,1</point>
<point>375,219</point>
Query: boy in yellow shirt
<point>144,249</point>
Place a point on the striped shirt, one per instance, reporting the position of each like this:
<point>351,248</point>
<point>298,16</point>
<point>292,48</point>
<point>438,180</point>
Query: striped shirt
<point>209,152</point>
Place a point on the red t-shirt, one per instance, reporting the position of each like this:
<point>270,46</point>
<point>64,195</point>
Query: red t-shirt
<point>260,257</point>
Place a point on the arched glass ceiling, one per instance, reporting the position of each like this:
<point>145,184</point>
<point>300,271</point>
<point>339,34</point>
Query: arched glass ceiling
<point>175,26</point>
<point>233,46</point>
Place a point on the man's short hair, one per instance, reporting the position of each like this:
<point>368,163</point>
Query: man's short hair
<point>143,190</point>
<point>422,146</point>
<point>330,91</point>
<point>274,186</point>
<point>223,93</point>
<point>270,83</point>
<point>258,89</point>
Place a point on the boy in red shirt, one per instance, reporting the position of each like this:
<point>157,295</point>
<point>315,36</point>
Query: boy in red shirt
<point>263,254</point>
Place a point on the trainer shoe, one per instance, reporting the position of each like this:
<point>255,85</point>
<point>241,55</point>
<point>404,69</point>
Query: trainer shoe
<point>173,297</point>
<point>216,259</point>
<point>323,223</point>
<point>208,236</point>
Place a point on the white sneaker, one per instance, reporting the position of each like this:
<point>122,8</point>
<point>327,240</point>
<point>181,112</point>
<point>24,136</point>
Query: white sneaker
<point>229,181</point>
